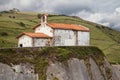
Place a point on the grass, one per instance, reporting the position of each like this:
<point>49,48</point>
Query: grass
<point>108,40</point>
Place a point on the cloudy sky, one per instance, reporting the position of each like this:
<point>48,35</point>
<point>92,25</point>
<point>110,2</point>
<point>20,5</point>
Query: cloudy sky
<point>106,12</point>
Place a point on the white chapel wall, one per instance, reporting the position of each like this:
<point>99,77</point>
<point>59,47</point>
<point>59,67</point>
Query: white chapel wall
<point>44,29</point>
<point>83,38</point>
<point>38,42</point>
<point>64,37</point>
<point>25,40</point>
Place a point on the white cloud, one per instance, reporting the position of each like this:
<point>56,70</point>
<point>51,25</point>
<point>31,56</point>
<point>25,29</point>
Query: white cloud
<point>65,6</point>
<point>25,3</point>
<point>117,10</point>
<point>96,17</point>
<point>100,11</point>
<point>107,19</point>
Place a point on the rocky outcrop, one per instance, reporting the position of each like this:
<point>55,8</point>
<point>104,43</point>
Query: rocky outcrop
<point>17,72</point>
<point>116,68</point>
<point>76,69</point>
<point>73,69</point>
<point>56,63</point>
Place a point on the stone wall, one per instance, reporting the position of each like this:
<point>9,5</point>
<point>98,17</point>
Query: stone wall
<point>76,69</point>
<point>73,69</point>
<point>17,72</point>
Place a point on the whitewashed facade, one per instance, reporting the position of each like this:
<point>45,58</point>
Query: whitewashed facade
<point>57,35</point>
<point>83,38</point>
<point>33,40</point>
<point>64,37</point>
<point>25,41</point>
<point>44,29</point>
<point>41,42</point>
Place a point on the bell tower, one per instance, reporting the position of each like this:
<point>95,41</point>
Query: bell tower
<point>44,19</point>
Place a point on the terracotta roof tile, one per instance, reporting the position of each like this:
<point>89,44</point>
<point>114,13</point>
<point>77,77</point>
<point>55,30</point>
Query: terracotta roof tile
<point>65,26</point>
<point>34,35</point>
<point>68,26</point>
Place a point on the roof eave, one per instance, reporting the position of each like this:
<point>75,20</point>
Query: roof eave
<point>73,29</point>
<point>42,37</point>
<point>36,26</point>
<point>20,35</point>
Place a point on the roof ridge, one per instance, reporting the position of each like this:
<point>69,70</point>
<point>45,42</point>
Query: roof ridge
<point>68,26</point>
<point>84,27</point>
<point>65,26</point>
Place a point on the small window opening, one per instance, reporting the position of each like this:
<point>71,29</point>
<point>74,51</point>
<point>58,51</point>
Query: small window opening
<point>21,45</point>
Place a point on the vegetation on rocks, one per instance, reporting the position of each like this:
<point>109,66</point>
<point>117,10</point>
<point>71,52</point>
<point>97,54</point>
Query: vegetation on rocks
<point>40,57</point>
<point>55,78</point>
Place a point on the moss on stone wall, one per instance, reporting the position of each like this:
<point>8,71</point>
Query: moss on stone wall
<point>40,57</point>
<point>55,78</point>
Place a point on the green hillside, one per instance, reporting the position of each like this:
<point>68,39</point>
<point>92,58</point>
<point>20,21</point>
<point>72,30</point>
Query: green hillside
<point>12,24</point>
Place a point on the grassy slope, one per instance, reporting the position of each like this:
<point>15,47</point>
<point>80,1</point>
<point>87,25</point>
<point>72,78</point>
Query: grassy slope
<point>104,38</point>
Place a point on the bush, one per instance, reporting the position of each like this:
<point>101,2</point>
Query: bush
<point>4,34</point>
<point>55,78</point>
<point>13,17</point>
<point>39,16</point>
<point>9,16</point>
<point>22,24</point>
<point>0,14</point>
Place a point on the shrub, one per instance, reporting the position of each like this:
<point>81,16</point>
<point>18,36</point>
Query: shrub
<point>13,17</point>
<point>22,24</point>
<point>0,14</point>
<point>55,78</point>
<point>39,16</point>
<point>4,34</point>
<point>9,16</point>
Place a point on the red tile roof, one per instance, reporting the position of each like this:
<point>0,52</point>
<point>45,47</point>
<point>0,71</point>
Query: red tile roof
<point>68,26</point>
<point>65,26</point>
<point>34,35</point>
